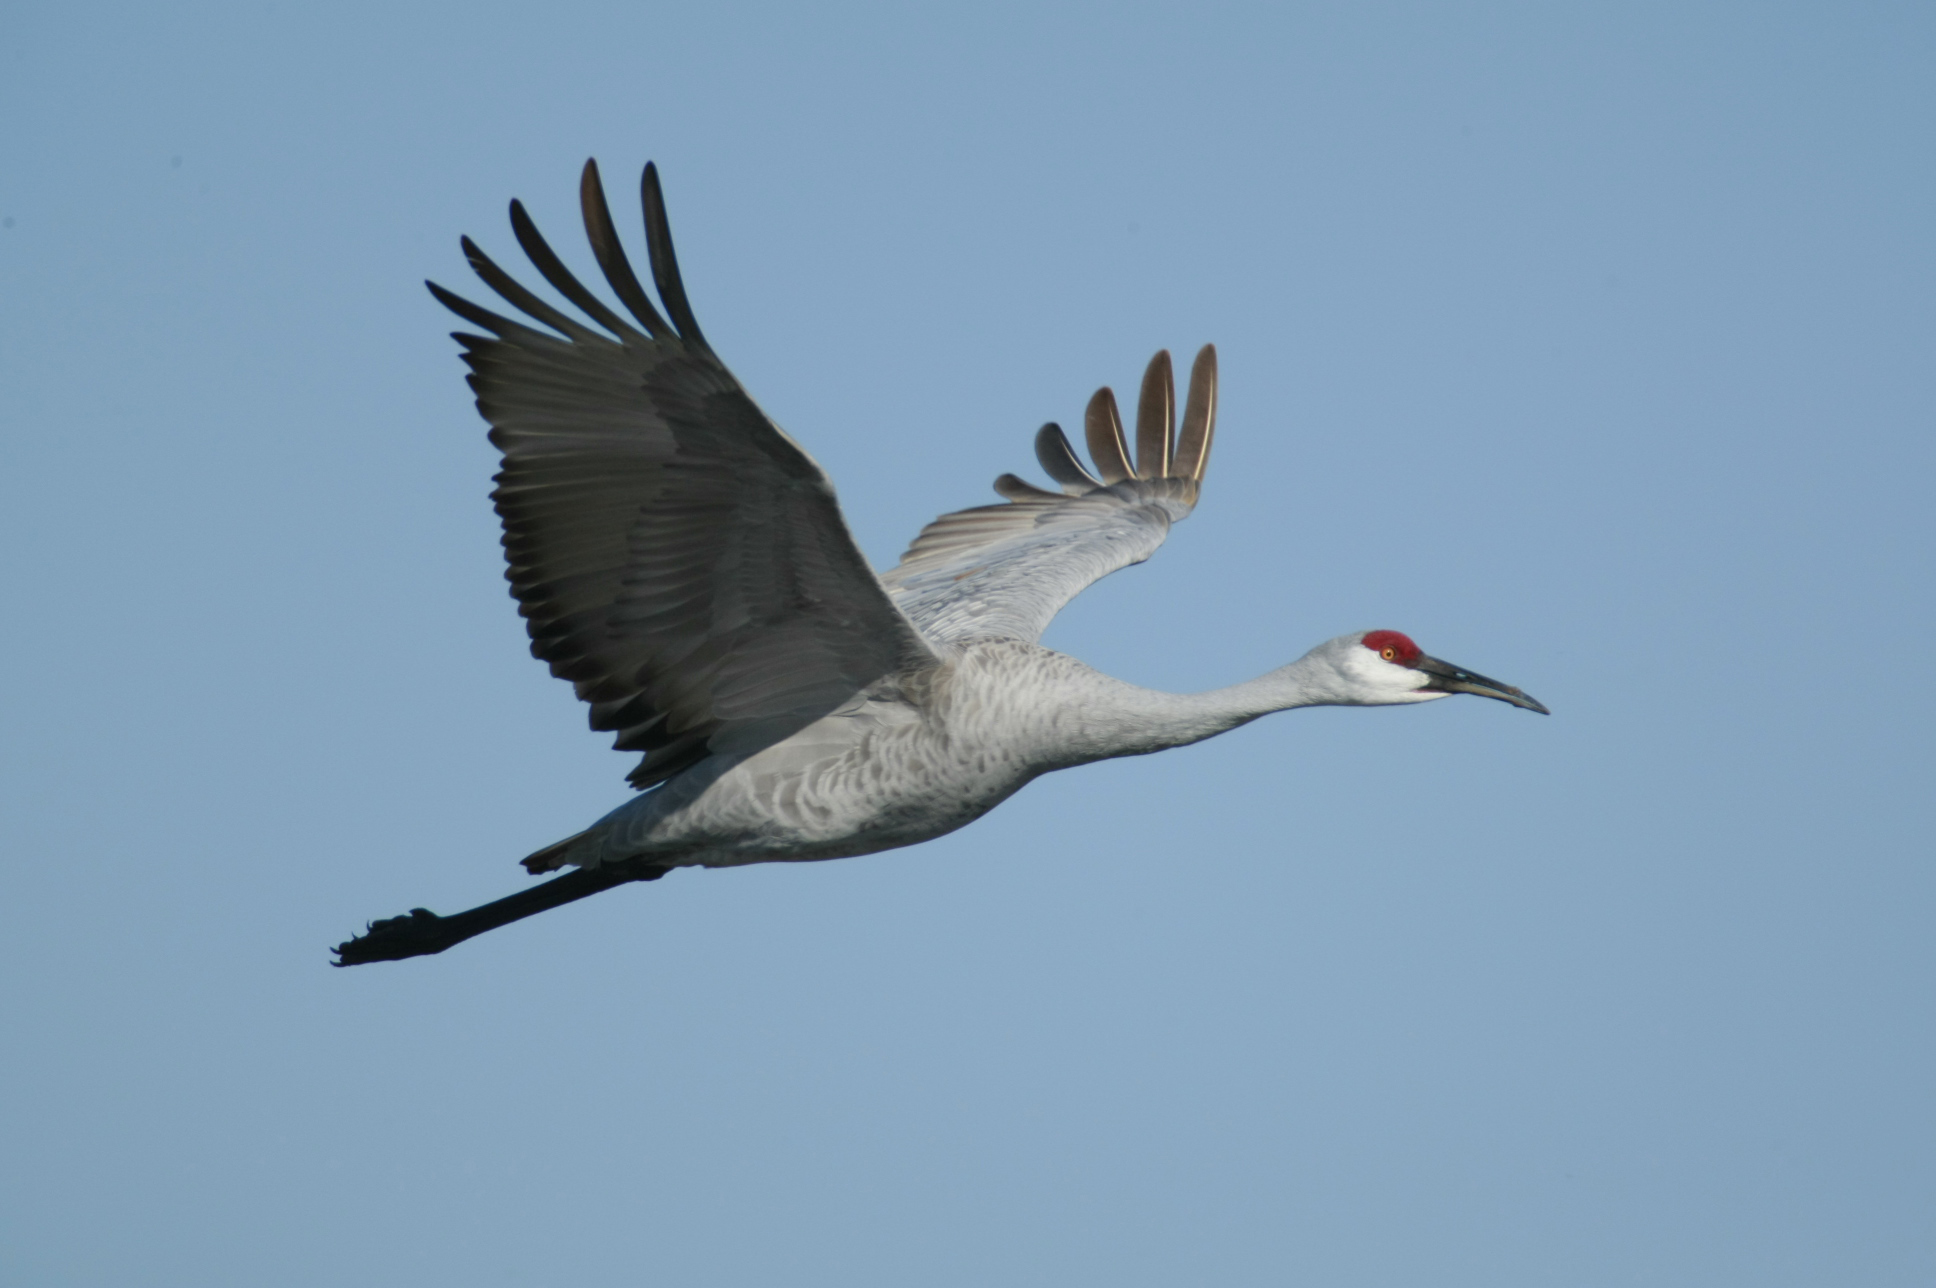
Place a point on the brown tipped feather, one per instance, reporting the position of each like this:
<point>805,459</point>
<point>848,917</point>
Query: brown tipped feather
<point>1199,418</point>
<point>1156,419</point>
<point>1103,427</point>
<point>611,253</point>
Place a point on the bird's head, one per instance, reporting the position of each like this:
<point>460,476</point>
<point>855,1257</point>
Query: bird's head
<point>1381,668</point>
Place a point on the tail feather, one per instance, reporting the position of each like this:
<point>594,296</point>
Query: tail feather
<point>553,856</point>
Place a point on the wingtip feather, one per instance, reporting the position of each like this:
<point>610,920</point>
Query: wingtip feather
<point>1060,462</point>
<point>1199,418</point>
<point>539,251</point>
<point>1015,488</point>
<point>610,252</point>
<point>1103,427</point>
<point>1156,419</point>
<point>665,262</point>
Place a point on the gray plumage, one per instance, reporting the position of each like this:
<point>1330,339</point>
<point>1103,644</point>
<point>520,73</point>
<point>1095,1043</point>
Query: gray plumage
<point>684,563</point>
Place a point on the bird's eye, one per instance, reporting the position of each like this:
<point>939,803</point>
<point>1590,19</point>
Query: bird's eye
<point>1390,654</point>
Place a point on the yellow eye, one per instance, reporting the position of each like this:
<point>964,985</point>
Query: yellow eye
<point>1390,655</point>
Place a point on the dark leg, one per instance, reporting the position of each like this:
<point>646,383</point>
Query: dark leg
<point>421,931</point>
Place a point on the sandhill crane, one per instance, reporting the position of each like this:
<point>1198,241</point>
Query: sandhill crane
<point>683,562</point>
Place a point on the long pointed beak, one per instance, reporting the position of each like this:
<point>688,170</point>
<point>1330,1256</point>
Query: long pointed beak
<point>1446,678</point>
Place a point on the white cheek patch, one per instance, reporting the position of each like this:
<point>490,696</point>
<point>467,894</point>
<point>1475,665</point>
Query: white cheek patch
<point>1383,681</point>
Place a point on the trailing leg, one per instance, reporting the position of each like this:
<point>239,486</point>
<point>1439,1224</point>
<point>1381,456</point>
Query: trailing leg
<point>420,931</point>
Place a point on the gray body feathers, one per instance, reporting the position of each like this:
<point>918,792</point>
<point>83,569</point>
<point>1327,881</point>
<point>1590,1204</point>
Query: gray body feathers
<point>684,563</point>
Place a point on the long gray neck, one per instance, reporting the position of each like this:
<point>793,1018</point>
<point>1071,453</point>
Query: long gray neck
<point>1119,719</point>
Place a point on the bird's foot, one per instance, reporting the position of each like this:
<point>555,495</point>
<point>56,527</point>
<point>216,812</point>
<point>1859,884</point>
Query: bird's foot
<point>414,934</point>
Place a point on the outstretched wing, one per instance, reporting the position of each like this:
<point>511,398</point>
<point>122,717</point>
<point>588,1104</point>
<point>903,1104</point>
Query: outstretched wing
<point>675,555</point>
<point>1006,570</point>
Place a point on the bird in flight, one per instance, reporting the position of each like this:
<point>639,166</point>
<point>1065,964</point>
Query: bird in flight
<point>684,563</point>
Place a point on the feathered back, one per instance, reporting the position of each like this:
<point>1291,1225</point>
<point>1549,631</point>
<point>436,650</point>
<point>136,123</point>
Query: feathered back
<point>1006,570</point>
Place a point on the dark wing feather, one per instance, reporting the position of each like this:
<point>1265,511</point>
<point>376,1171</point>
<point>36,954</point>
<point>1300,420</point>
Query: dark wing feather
<point>1060,461</point>
<point>612,260</point>
<point>675,555</point>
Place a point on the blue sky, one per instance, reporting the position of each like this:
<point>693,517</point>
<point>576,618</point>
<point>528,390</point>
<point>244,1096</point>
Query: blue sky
<point>1590,345</point>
